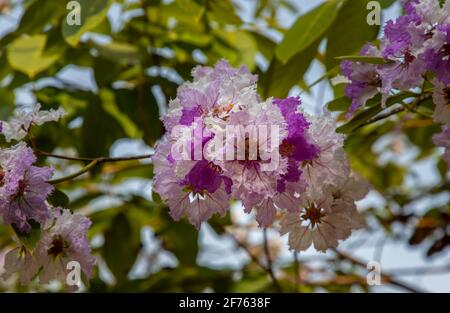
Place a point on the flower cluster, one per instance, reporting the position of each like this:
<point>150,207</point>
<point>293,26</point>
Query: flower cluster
<point>416,49</point>
<point>24,190</point>
<point>225,143</point>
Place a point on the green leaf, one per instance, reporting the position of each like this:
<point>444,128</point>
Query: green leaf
<point>218,223</point>
<point>141,107</point>
<point>364,59</point>
<point>280,78</point>
<point>339,104</point>
<point>40,13</point>
<point>223,11</point>
<point>99,130</point>
<point>29,240</point>
<point>191,8</point>
<point>122,243</point>
<point>386,3</point>
<point>349,32</point>
<point>26,54</point>
<point>265,45</point>
<point>58,199</point>
<point>307,30</point>
<point>118,52</point>
<point>181,238</point>
<point>110,106</point>
<point>93,12</point>
<point>374,107</point>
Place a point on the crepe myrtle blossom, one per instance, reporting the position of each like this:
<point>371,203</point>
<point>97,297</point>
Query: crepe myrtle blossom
<point>212,95</point>
<point>441,99</point>
<point>63,239</point>
<point>443,140</point>
<point>295,148</point>
<point>196,189</point>
<point>325,218</point>
<point>438,56</point>
<point>19,126</point>
<point>414,44</point>
<point>233,146</point>
<point>23,188</point>
<point>330,162</point>
<point>20,260</point>
<point>364,79</point>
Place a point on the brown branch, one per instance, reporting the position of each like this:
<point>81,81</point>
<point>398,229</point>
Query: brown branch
<point>392,112</point>
<point>387,278</point>
<point>297,272</point>
<point>256,260</point>
<point>92,163</point>
<point>426,270</point>
<point>269,261</point>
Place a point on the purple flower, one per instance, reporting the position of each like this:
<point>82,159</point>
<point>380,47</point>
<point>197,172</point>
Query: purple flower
<point>364,79</point>
<point>397,35</point>
<point>195,189</point>
<point>438,58</point>
<point>23,188</point>
<point>403,74</point>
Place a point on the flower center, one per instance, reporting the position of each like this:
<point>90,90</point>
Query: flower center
<point>314,215</point>
<point>286,148</point>
<point>22,187</point>
<point>409,58</point>
<point>446,49</point>
<point>219,111</point>
<point>57,246</point>
<point>2,176</point>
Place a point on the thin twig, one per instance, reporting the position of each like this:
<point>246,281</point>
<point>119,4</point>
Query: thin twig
<point>381,117</point>
<point>269,261</point>
<point>392,112</point>
<point>426,270</point>
<point>256,260</point>
<point>297,272</point>
<point>387,278</point>
<point>92,163</point>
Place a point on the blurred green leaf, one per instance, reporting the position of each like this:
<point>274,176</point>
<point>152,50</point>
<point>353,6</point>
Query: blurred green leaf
<point>93,12</point>
<point>349,32</point>
<point>122,242</point>
<point>363,59</point>
<point>307,30</point>
<point>26,54</point>
<point>58,199</point>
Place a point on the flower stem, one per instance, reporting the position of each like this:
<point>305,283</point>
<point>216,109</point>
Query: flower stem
<point>93,162</point>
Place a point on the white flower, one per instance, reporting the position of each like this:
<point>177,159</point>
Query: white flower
<point>441,98</point>
<point>325,217</point>
<point>20,260</point>
<point>432,13</point>
<point>62,241</point>
<point>331,162</point>
<point>17,127</point>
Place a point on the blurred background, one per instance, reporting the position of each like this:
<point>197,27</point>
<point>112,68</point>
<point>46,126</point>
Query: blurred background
<point>115,73</point>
